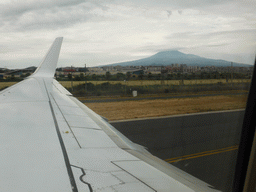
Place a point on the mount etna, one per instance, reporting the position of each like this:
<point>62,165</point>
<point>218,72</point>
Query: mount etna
<point>176,57</point>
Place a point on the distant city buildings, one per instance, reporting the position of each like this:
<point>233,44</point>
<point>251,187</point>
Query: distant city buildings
<point>133,70</point>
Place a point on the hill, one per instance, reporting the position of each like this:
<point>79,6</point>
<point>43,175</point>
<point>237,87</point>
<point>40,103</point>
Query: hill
<point>177,57</point>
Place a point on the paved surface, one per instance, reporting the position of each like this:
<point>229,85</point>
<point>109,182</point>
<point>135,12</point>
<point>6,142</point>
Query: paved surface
<point>207,140</point>
<point>153,98</point>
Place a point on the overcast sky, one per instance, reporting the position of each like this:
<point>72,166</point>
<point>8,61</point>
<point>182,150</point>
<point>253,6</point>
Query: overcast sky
<point>108,31</point>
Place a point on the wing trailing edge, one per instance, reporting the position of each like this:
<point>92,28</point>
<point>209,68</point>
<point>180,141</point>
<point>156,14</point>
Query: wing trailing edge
<point>48,65</point>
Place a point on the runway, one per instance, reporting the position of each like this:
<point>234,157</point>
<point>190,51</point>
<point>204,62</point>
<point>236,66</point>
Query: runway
<point>204,144</point>
<point>202,154</point>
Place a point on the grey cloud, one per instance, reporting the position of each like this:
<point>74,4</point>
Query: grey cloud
<point>197,3</point>
<point>212,34</point>
<point>237,8</point>
<point>218,45</point>
<point>188,40</point>
<point>177,4</point>
<point>157,48</point>
<point>228,33</point>
<point>181,34</point>
<point>50,14</point>
<point>47,15</point>
<point>13,9</point>
<point>50,19</point>
<point>169,13</point>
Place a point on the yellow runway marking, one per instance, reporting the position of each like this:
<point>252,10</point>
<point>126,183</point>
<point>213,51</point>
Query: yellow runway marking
<point>201,154</point>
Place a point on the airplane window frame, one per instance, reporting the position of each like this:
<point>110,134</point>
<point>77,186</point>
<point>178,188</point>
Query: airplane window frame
<point>242,180</point>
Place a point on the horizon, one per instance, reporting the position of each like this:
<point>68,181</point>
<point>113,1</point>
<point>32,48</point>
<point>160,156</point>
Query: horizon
<point>132,60</point>
<point>117,64</point>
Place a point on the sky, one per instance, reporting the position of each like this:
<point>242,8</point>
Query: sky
<point>99,32</point>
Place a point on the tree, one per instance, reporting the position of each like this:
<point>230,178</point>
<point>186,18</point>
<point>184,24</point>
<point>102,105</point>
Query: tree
<point>120,76</point>
<point>69,76</point>
<point>12,77</point>
<point>178,75</point>
<point>141,75</point>
<point>128,75</point>
<point>82,76</point>
<point>150,76</point>
<point>77,78</point>
<point>185,76</point>
<point>158,77</point>
<point>94,77</point>
<point>193,75</point>
<point>108,75</point>
<point>169,76</point>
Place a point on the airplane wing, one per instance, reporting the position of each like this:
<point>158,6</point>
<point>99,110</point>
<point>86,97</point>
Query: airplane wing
<point>49,141</point>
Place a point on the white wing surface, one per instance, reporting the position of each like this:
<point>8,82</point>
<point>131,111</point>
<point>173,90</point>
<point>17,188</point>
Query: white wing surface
<point>49,141</point>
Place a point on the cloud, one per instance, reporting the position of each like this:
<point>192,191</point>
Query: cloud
<point>119,30</point>
<point>17,8</point>
<point>169,13</point>
<point>174,4</point>
<point>37,15</point>
<point>213,39</point>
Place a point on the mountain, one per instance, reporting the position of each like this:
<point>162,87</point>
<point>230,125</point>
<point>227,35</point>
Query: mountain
<point>177,57</point>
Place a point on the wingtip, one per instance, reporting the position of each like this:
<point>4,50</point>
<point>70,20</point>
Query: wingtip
<point>49,63</point>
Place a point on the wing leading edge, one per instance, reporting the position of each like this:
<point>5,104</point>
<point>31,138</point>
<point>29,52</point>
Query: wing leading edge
<point>52,142</point>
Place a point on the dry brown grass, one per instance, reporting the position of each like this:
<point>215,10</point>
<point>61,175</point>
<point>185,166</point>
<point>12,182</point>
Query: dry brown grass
<point>163,107</point>
<point>156,82</point>
<point>6,84</point>
<point>67,84</point>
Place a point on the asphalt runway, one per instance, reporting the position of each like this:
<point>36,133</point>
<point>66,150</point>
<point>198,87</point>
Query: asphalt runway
<point>203,144</point>
<point>216,169</point>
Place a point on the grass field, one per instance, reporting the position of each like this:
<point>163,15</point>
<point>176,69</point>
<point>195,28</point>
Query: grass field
<point>160,107</point>
<point>6,84</point>
<point>67,84</point>
<point>163,107</point>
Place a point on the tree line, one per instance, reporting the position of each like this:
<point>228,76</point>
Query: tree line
<point>141,76</point>
<point>161,76</point>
